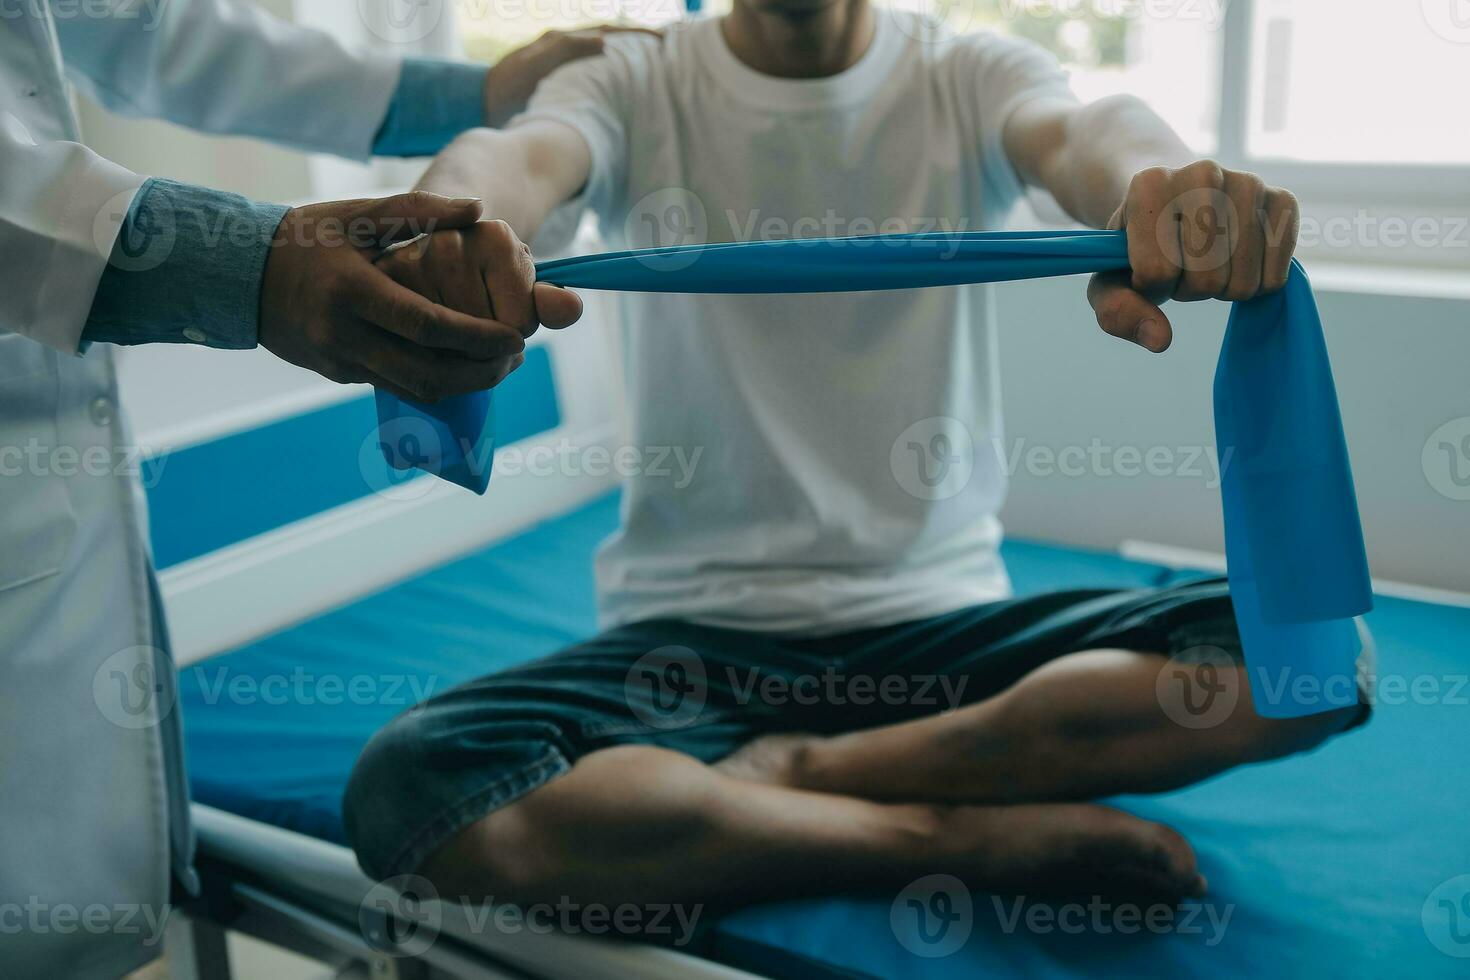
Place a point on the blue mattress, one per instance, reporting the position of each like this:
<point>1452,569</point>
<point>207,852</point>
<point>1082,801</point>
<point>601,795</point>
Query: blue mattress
<point>1354,860</point>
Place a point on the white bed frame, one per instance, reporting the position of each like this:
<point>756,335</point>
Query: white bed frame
<point>225,599</point>
<point>308,895</point>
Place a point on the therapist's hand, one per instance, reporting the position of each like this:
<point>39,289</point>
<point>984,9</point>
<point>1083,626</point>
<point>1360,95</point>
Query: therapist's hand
<point>1196,232</point>
<point>510,83</point>
<point>326,306</point>
<point>486,271</point>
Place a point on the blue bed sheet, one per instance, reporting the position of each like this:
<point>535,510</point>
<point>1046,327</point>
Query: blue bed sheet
<point>1353,861</point>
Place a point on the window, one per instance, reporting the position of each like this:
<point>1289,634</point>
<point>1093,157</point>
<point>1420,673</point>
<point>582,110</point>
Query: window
<point>1359,82</point>
<point>493,28</point>
<point>1165,52</point>
<point>1356,105</point>
<point>1349,81</point>
<point>1172,58</point>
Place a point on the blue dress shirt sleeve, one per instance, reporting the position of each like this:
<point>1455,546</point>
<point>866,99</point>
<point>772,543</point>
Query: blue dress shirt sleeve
<point>435,101</point>
<point>186,268</point>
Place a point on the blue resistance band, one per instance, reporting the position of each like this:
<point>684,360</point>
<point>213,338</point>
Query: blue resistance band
<point>1293,541</point>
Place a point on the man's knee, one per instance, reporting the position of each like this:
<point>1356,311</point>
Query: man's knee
<point>504,853</point>
<point>385,796</point>
<point>615,807</point>
<point>1233,732</point>
<point>1275,738</point>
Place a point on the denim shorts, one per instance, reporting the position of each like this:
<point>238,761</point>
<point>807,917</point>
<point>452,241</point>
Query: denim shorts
<point>706,691</point>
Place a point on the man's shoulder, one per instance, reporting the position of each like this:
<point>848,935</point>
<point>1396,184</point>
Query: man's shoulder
<point>961,42</point>
<point>629,59</point>
<point>980,59</point>
<point>630,62</point>
<point>635,45</point>
<point>642,52</point>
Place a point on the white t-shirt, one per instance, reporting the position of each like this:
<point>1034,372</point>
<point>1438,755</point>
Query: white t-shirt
<point>842,445</point>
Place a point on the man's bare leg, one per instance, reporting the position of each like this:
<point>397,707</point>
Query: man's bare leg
<point>794,815</point>
<point>1083,726</point>
<point>643,825</point>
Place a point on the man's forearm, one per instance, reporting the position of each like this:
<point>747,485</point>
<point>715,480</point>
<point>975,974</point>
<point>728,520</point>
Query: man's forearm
<point>1103,145</point>
<point>1195,230</point>
<point>511,173</point>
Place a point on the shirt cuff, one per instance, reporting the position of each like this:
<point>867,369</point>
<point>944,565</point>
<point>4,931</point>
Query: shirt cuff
<point>435,102</point>
<point>186,269</point>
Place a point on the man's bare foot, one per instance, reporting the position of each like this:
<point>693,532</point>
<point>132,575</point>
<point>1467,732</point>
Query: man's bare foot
<point>1034,849</point>
<point>1052,849</point>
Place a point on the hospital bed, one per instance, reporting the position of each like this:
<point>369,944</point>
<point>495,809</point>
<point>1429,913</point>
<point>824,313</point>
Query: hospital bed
<point>313,597</point>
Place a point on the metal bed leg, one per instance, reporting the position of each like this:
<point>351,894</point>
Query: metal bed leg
<point>196,949</point>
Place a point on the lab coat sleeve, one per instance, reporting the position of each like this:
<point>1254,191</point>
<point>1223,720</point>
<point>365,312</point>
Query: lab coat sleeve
<point>222,66</point>
<point>60,213</point>
<point>188,261</point>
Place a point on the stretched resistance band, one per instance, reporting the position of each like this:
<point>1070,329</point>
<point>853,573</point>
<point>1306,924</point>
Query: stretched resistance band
<point>1293,542</point>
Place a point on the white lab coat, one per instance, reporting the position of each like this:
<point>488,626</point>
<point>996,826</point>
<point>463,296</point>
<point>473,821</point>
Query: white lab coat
<point>92,803</point>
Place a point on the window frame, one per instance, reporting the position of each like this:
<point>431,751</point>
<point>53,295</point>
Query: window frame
<point>1331,191</point>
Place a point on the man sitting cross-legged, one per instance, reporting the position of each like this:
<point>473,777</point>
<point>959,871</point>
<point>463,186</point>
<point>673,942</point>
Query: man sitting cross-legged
<point>655,763</point>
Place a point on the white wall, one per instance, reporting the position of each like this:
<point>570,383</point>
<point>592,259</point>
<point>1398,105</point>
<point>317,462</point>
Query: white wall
<point>1400,366</point>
